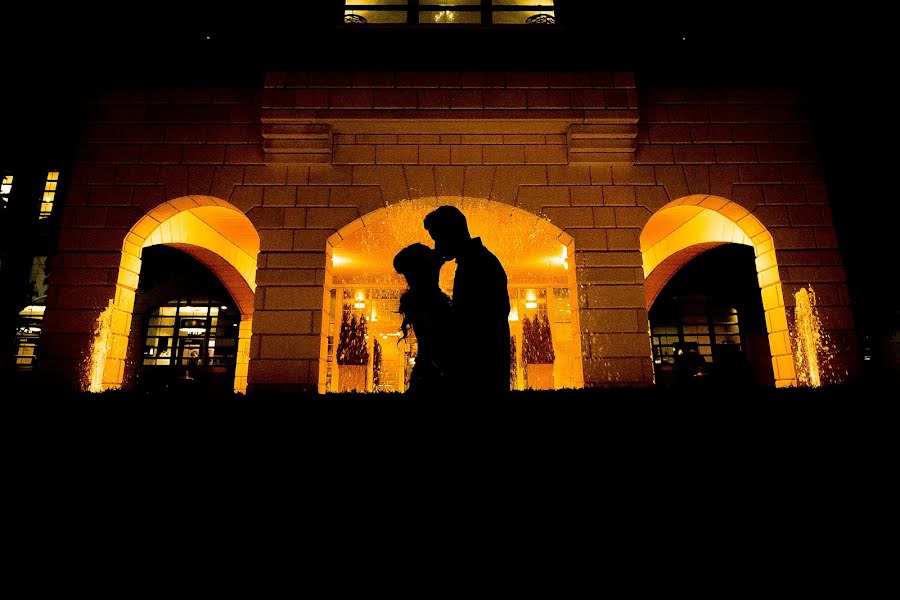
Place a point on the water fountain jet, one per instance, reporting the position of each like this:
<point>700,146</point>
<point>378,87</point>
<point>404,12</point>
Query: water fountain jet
<point>813,350</point>
<point>101,344</point>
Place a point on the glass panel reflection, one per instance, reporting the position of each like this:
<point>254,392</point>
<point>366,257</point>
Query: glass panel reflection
<point>449,17</point>
<point>373,16</point>
<point>521,17</point>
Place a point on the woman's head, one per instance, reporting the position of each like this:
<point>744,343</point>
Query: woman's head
<point>419,264</point>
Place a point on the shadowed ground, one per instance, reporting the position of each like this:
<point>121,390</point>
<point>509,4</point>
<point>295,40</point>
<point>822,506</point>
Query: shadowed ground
<point>735,481</point>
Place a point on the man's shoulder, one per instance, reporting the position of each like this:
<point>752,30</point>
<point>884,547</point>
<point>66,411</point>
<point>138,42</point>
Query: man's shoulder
<point>482,250</point>
<point>491,259</point>
<point>479,263</point>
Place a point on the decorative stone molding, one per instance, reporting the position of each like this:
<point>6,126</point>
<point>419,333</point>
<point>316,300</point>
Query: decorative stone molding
<point>297,143</point>
<point>580,118</point>
<point>610,144</point>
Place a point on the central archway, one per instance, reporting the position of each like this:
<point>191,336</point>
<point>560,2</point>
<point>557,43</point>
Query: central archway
<point>539,261</point>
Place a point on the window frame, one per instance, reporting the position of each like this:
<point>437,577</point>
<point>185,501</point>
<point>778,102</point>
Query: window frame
<point>413,8</point>
<point>212,322</point>
<point>713,321</point>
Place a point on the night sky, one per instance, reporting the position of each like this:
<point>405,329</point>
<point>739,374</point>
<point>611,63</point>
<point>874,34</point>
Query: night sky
<point>52,58</point>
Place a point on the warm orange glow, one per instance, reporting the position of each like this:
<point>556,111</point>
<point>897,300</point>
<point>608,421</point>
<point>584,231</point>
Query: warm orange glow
<point>101,346</point>
<point>366,247</point>
<point>807,338</point>
<point>813,351</point>
<point>212,231</point>
<point>684,228</point>
<point>680,227</point>
<point>534,252</point>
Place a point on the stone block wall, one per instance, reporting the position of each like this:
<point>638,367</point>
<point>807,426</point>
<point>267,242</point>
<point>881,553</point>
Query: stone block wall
<point>311,152</point>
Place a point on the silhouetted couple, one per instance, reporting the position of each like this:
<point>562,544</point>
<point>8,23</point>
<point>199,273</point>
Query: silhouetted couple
<point>463,343</point>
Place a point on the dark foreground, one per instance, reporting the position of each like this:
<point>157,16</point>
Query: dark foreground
<point>592,425</point>
<point>751,479</point>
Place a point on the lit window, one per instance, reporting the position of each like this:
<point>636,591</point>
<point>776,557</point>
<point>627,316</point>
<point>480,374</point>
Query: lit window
<point>461,12</point>
<point>450,12</point>
<point>710,329</point>
<point>28,330</point>
<point>5,190</point>
<point>523,12</point>
<point>28,326</point>
<point>49,194</point>
<point>357,12</point>
<point>192,332</point>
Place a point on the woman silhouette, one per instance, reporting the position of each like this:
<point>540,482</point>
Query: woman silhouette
<point>427,311</point>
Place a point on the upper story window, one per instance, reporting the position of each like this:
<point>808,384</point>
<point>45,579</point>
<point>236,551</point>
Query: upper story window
<point>450,12</point>
<point>49,194</point>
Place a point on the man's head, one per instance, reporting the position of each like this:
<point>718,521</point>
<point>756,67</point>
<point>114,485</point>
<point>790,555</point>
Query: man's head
<point>449,230</point>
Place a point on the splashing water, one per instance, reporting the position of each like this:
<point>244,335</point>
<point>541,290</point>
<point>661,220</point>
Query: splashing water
<point>514,235</point>
<point>100,347</point>
<point>806,338</point>
<point>813,350</point>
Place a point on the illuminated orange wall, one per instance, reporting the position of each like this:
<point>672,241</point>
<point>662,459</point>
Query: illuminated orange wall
<point>311,153</point>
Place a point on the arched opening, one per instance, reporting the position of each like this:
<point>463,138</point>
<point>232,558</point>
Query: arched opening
<point>681,232</point>
<point>364,293</point>
<point>185,329</point>
<point>211,231</point>
<point>719,317</point>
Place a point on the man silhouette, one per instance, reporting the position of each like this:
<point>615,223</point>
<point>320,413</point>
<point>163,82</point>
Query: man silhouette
<point>480,303</point>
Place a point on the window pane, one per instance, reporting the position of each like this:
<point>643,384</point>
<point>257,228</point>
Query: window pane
<point>376,3</point>
<point>379,16</point>
<point>429,3</point>
<point>450,17</point>
<point>186,333</point>
<point>547,3</point>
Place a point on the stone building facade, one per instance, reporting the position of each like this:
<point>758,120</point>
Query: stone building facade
<point>261,184</point>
